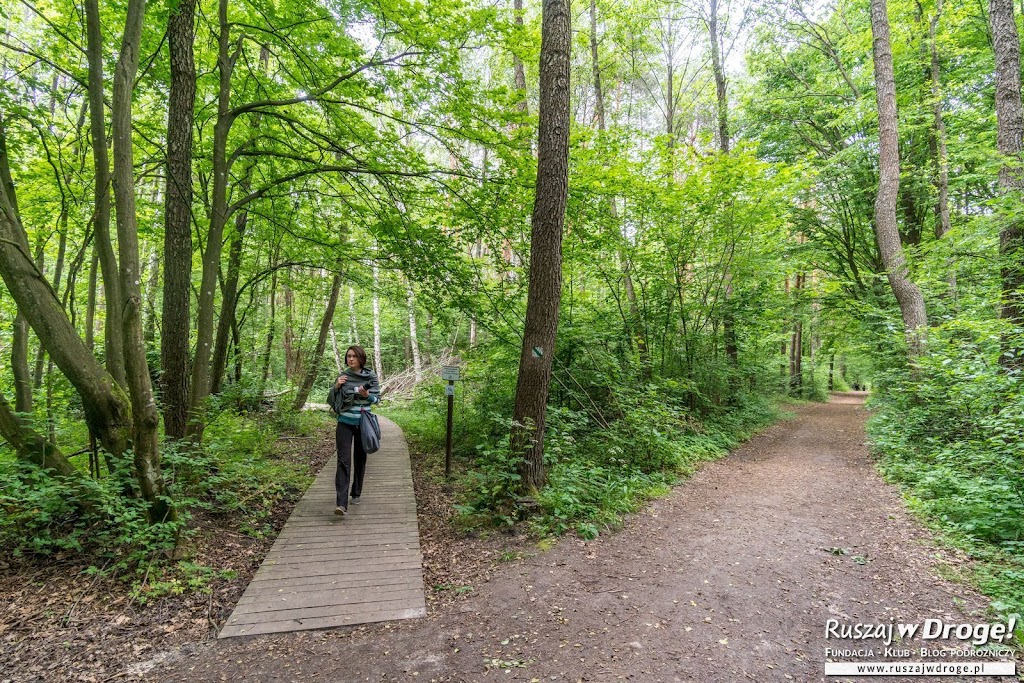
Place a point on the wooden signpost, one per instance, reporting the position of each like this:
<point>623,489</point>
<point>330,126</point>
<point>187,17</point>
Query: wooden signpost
<point>450,374</point>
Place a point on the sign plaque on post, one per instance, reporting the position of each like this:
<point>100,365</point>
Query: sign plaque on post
<point>450,374</point>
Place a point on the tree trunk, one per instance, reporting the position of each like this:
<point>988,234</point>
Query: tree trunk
<point>227,322</point>
<point>545,285</point>
<point>175,345</point>
<point>290,366</point>
<point>30,446</point>
<point>229,299</point>
<point>218,219</point>
<point>636,321</point>
<point>353,328</point>
<point>90,302</point>
<point>112,339</point>
<point>107,411</point>
<point>152,285</point>
<point>265,372</point>
<point>1010,140</point>
<point>942,220</point>
<point>517,63</point>
<point>19,365</point>
<point>911,302</point>
<point>146,422</point>
<point>321,342</point>
<point>722,111</point>
<point>378,365</point>
<point>337,352</point>
<point>414,344</point>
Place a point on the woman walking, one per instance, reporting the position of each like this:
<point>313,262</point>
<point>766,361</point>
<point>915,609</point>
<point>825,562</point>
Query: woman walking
<point>355,390</point>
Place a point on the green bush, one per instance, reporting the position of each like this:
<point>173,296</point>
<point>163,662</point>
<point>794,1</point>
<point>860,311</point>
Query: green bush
<point>235,472</point>
<point>948,432</point>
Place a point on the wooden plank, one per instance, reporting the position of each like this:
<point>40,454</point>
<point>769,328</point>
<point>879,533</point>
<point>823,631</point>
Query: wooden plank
<point>326,571</point>
<point>326,622</point>
<point>261,590</point>
<point>326,599</point>
<point>300,582</point>
<point>320,612</point>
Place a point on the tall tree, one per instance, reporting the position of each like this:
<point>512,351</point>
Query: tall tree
<point>912,307</point>
<point>545,285</point>
<point>177,256</point>
<point>112,340</point>
<point>636,320</point>
<point>321,342</point>
<point>146,419</point>
<point>517,62</point>
<point>226,60</point>
<point>940,151</point>
<point>722,110</point>
<point>1010,140</point>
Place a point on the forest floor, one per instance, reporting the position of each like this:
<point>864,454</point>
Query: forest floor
<point>730,577</point>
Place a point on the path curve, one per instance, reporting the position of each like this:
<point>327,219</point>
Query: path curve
<point>731,577</point>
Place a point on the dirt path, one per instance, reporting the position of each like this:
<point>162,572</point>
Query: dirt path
<point>729,578</point>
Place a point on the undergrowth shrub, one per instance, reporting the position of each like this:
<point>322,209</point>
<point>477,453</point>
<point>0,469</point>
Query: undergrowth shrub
<point>949,434</point>
<point>236,472</point>
<point>602,460</point>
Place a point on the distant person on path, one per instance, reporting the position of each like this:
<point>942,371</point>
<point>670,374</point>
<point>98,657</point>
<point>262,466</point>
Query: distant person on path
<point>355,390</point>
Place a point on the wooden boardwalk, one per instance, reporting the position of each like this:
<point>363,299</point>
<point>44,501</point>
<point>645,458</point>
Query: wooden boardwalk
<point>326,571</point>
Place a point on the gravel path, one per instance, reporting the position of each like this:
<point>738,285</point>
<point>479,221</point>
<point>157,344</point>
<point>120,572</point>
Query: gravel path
<point>731,577</point>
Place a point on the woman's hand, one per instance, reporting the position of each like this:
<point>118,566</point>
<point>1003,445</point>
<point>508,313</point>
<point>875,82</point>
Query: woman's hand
<point>363,392</point>
<point>341,380</point>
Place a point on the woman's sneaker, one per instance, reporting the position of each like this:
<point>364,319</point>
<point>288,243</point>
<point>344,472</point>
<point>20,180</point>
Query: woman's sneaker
<point>355,500</point>
<point>340,511</point>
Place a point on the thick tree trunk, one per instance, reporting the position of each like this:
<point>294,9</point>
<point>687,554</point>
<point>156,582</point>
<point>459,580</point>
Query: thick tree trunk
<point>175,346</point>
<point>112,340</point>
<point>145,436</point>
<point>1010,140</point>
<point>545,286</point>
<point>321,343</point>
<point>911,302</point>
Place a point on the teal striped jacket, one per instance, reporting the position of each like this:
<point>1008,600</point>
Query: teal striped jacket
<point>346,403</point>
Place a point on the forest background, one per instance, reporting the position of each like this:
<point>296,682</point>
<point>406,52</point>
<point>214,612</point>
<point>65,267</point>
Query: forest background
<point>204,203</point>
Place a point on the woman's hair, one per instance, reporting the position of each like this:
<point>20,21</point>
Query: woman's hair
<point>360,355</point>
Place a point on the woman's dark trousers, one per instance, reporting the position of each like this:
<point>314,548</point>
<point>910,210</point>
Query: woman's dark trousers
<point>345,436</point>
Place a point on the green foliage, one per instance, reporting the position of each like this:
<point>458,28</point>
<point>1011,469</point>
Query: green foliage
<point>597,471</point>
<point>948,432</point>
<point>236,473</point>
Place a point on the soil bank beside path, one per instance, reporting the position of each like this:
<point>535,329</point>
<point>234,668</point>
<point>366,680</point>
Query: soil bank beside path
<point>731,577</point>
